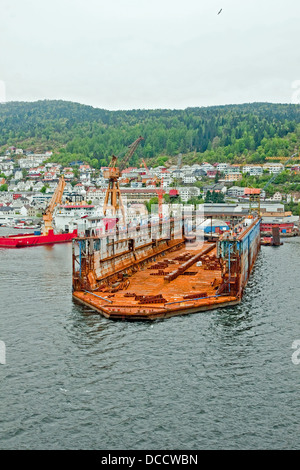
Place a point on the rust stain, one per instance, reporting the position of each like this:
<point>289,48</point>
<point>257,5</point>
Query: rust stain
<point>163,279</point>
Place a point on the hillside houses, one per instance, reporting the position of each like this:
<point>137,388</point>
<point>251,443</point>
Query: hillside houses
<point>217,188</point>
<point>50,176</point>
<point>7,167</point>
<point>32,160</point>
<point>273,168</point>
<point>33,174</point>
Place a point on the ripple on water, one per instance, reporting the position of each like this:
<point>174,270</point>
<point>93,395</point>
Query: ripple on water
<point>220,379</point>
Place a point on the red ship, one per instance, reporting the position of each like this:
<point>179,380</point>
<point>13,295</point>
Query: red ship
<point>35,239</point>
<point>47,236</point>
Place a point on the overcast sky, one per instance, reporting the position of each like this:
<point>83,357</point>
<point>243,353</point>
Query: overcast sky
<point>129,54</point>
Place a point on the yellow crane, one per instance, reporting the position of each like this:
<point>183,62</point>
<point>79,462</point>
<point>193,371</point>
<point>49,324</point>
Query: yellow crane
<point>113,199</point>
<point>55,200</point>
<point>160,193</point>
<point>153,178</point>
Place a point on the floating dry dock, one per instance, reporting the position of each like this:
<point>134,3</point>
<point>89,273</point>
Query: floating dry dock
<point>146,275</point>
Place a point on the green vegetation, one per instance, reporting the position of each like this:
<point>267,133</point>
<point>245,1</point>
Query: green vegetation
<point>286,182</point>
<point>74,132</point>
<point>152,201</point>
<point>294,207</point>
<point>44,188</point>
<point>196,200</point>
<point>215,197</point>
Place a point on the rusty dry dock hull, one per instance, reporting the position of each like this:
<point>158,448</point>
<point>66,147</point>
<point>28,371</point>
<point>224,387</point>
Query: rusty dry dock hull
<point>175,283</point>
<point>138,314</point>
<point>149,280</point>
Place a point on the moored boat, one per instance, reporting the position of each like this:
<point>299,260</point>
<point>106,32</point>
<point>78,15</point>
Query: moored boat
<point>47,235</point>
<point>36,238</point>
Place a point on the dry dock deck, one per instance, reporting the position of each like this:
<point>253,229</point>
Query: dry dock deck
<point>171,285</point>
<point>146,277</point>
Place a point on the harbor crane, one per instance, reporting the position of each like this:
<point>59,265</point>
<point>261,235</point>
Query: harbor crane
<point>153,178</point>
<point>160,193</point>
<point>145,165</point>
<point>113,199</point>
<point>55,200</point>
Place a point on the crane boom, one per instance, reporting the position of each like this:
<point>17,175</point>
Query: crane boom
<point>145,165</point>
<point>132,148</point>
<point>55,200</point>
<point>160,193</point>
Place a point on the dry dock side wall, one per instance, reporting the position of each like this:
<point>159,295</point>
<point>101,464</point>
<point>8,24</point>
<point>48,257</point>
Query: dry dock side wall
<point>250,248</point>
<point>100,258</point>
<point>238,255</point>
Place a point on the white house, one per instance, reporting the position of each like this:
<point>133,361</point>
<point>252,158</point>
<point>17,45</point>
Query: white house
<point>37,186</point>
<point>166,182</point>
<point>207,167</point>
<point>187,193</point>
<point>18,175</point>
<point>253,170</point>
<point>235,191</point>
<point>277,197</point>
<point>222,167</point>
<point>24,210</point>
<point>273,167</point>
<point>189,178</point>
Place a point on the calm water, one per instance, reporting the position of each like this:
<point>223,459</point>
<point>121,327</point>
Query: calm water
<point>218,380</point>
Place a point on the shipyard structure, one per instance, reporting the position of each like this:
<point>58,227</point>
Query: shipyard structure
<point>163,269</point>
<point>167,266</point>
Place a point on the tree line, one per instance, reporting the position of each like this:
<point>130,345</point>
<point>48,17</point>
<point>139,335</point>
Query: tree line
<point>250,133</point>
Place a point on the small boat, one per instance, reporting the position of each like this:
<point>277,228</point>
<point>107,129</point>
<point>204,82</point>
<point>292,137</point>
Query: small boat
<point>269,241</point>
<point>41,236</point>
<point>23,226</point>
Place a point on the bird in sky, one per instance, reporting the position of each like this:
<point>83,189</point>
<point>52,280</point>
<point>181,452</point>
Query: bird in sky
<point>220,11</point>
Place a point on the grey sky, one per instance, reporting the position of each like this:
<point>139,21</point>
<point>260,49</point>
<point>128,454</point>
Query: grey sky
<point>125,54</point>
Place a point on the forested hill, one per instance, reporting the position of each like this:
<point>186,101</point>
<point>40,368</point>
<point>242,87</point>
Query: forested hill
<point>234,133</point>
